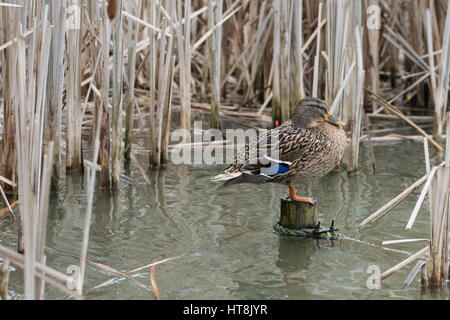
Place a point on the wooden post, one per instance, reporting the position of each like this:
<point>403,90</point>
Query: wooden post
<point>297,215</point>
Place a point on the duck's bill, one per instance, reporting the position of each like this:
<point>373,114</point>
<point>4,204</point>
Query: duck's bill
<point>333,120</point>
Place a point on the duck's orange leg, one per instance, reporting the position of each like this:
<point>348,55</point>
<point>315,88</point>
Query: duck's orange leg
<point>293,196</point>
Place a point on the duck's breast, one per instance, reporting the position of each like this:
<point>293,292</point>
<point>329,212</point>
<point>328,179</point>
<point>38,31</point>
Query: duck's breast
<point>323,154</point>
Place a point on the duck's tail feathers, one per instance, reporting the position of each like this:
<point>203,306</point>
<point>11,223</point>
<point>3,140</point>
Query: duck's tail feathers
<point>225,176</point>
<point>247,178</point>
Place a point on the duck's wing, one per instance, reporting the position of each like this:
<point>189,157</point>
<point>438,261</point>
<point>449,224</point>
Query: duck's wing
<point>271,154</point>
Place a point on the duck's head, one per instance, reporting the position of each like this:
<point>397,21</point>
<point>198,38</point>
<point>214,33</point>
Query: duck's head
<point>310,112</point>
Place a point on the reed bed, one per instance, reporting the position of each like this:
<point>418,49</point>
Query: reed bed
<point>34,170</point>
<point>435,185</point>
<point>114,69</point>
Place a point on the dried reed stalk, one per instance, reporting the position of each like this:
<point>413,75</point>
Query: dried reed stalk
<point>55,84</point>
<point>167,114</point>
<point>437,185</point>
<point>374,56</point>
<point>418,267</point>
<point>8,209</point>
<point>356,101</point>
<point>184,56</point>
<point>394,202</point>
<point>132,42</point>
<point>117,81</point>
<point>296,90</point>
<point>160,104</point>
<point>9,30</point>
<point>337,38</point>
<point>214,49</point>
<point>439,212</point>
<point>281,52</point>
<point>43,272</point>
<point>154,286</point>
<point>405,262</point>
<point>441,88</point>
<point>74,156</point>
<point>102,111</point>
<point>4,276</point>
<point>317,56</point>
<point>399,114</point>
<point>127,274</point>
<point>152,83</point>
<point>33,184</point>
<point>87,219</point>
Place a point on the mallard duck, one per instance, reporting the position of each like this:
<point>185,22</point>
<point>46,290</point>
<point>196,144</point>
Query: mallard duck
<point>308,146</point>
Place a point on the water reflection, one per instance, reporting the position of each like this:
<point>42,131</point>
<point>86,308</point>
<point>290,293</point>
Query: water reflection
<point>293,258</point>
<point>231,250</point>
<point>436,293</point>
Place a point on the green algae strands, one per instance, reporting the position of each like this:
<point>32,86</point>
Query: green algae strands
<point>112,9</point>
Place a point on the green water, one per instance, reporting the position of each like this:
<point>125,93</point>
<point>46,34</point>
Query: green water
<point>225,235</point>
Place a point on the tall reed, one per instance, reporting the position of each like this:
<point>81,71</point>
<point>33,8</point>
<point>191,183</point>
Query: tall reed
<point>30,87</point>
<point>74,156</point>
<point>160,73</point>
<point>103,112</point>
<point>214,51</point>
<point>117,80</point>
<point>131,74</point>
<point>9,29</point>
<point>55,86</point>
<point>441,87</point>
<point>183,31</point>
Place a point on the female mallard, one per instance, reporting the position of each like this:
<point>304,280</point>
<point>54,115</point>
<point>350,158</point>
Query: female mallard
<point>300,150</point>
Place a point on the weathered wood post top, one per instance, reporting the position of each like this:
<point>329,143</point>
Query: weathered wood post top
<point>297,215</point>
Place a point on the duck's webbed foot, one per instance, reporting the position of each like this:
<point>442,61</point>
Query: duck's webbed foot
<point>293,196</point>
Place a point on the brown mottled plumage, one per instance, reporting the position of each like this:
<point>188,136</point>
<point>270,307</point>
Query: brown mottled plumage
<point>309,146</point>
